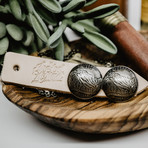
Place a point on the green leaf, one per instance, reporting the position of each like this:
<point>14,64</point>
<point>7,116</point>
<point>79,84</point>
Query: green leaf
<point>98,12</point>
<point>16,9</point>
<point>59,50</point>
<point>54,40</point>
<point>47,16</point>
<point>87,24</point>
<point>20,49</point>
<point>4,44</point>
<point>29,6</point>
<point>39,27</point>
<point>90,2</point>
<point>70,14</point>
<point>28,21</point>
<point>33,48</point>
<point>74,5</point>
<point>29,38</point>
<point>4,9</point>
<point>40,43</point>
<point>37,23</point>
<point>22,3</point>
<point>2,29</point>
<point>51,5</point>
<point>45,28</point>
<point>78,27</point>
<point>83,25</point>
<point>100,41</point>
<point>15,32</point>
<point>64,3</point>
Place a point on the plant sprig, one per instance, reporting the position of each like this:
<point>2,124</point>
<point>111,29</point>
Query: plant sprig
<point>28,30</point>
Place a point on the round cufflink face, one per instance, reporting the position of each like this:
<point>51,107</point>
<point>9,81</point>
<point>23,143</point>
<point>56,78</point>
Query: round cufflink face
<point>84,81</point>
<point>120,83</point>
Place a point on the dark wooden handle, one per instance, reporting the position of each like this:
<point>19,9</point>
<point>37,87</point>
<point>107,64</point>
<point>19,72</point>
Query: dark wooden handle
<point>133,45</point>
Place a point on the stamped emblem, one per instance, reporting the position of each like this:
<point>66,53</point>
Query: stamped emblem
<point>47,71</point>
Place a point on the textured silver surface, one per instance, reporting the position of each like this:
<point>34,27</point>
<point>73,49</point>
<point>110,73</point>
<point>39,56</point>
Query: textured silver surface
<point>120,83</point>
<point>84,81</point>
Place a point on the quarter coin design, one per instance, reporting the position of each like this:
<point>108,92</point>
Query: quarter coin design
<point>85,81</point>
<point>120,83</point>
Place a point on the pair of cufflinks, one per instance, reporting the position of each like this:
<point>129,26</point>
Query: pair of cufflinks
<point>119,83</point>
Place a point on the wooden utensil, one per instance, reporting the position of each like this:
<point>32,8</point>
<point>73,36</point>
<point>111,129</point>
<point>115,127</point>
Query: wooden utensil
<point>128,40</point>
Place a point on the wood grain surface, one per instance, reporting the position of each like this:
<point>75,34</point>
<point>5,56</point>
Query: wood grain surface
<point>95,116</point>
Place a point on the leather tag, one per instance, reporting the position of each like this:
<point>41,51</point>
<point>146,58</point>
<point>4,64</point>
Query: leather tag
<point>44,73</point>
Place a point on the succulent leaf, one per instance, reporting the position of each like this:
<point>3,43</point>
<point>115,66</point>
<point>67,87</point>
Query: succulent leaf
<point>15,32</point>
<point>78,27</point>
<point>51,5</point>
<point>88,24</point>
<point>44,26</point>
<point>98,12</point>
<point>2,29</point>
<point>39,27</point>
<point>33,48</point>
<point>59,50</point>
<point>54,40</point>
<point>4,44</point>
<point>74,5</point>
<point>40,43</point>
<point>47,16</point>
<point>64,3</point>
<point>20,49</point>
<point>29,38</point>
<point>29,6</point>
<point>100,41</point>
<point>4,9</point>
<point>16,9</point>
<point>70,15</point>
<point>90,2</point>
<point>34,20</point>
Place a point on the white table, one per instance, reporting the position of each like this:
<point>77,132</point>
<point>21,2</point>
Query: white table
<point>19,129</point>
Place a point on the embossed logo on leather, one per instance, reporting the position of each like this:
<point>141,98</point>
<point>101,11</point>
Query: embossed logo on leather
<point>47,71</point>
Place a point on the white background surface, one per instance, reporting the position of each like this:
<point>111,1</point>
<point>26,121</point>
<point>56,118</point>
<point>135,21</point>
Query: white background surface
<point>134,13</point>
<point>19,129</point>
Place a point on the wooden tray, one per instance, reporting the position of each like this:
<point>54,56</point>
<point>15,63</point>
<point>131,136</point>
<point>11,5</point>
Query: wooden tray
<point>96,116</point>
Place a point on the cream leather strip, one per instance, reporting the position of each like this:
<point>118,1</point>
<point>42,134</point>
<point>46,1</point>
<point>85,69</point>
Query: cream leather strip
<point>44,73</point>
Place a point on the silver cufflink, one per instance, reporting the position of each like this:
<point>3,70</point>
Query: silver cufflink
<point>85,81</point>
<point>119,83</point>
